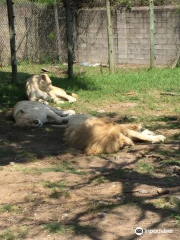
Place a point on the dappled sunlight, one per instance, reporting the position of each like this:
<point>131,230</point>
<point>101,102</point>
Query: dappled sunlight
<point>60,193</point>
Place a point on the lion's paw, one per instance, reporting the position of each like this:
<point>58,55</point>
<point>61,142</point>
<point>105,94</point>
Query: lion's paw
<point>159,138</point>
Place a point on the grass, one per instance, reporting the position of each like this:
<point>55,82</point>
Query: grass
<point>10,208</point>
<point>65,167</point>
<point>98,91</point>
<point>120,174</point>
<point>58,185</point>
<point>63,229</point>
<point>145,167</point>
<point>58,189</point>
<point>14,234</point>
<point>94,88</point>
<point>176,216</point>
<point>99,180</point>
<point>57,227</point>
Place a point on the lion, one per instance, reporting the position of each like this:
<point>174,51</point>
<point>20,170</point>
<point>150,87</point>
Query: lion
<point>101,135</point>
<point>39,88</point>
<point>35,114</point>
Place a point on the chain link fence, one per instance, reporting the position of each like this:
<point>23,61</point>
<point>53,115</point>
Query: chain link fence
<point>40,35</point>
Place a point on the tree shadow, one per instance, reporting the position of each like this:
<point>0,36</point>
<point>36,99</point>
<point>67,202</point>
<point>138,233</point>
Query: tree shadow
<point>23,145</point>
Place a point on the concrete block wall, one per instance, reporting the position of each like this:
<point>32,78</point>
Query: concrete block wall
<point>131,36</point>
<point>130,28</point>
<point>91,36</point>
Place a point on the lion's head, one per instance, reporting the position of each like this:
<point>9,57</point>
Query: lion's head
<point>45,83</point>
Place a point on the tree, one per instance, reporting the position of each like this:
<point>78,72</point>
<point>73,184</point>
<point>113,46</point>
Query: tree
<point>69,27</point>
<point>12,40</point>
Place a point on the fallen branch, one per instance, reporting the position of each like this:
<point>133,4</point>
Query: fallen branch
<point>170,93</point>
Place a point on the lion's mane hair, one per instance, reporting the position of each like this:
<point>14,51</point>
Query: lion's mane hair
<point>98,135</point>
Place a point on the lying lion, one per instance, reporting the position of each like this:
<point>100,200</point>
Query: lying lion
<point>100,135</point>
<point>34,114</point>
<point>39,88</point>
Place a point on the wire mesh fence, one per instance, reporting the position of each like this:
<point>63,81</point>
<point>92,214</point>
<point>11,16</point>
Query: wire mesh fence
<point>40,33</point>
<point>4,36</point>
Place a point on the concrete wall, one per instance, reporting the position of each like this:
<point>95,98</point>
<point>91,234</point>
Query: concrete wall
<point>131,36</point>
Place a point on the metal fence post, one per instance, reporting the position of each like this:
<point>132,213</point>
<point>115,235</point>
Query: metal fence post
<point>152,32</point>
<point>12,40</point>
<point>110,37</point>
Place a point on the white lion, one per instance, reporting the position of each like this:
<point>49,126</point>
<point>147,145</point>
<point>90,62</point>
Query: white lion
<point>34,114</point>
<point>39,88</point>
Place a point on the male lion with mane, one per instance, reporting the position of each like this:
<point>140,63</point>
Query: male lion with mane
<point>101,135</point>
<point>39,88</point>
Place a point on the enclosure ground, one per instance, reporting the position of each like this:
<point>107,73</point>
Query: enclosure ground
<point>51,192</point>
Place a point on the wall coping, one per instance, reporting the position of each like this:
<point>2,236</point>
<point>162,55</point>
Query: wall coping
<point>146,8</point>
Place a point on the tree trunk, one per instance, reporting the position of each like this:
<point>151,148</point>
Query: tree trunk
<point>69,27</point>
<point>12,40</point>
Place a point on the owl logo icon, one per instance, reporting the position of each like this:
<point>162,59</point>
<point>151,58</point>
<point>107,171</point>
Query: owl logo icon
<point>138,231</point>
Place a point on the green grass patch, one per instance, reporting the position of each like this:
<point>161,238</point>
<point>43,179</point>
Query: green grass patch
<point>14,234</point>
<point>172,162</point>
<point>58,188</point>
<point>7,235</point>
<point>58,185</point>
<point>57,227</point>
<point>99,180</point>
<point>63,229</point>
<point>145,167</point>
<point>65,167</point>
<point>120,173</point>
<point>57,194</point>
<point>176,216</point>
<point>10,208</point>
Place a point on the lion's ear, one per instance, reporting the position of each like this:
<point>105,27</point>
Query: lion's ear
<point>43,76</point>
<point>21,111</point>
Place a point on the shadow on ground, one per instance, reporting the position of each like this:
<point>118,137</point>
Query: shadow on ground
<point>117,194</point>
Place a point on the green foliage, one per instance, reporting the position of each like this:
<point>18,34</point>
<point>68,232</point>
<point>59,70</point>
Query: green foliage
<point>45,1</point>
<point>52,38</point>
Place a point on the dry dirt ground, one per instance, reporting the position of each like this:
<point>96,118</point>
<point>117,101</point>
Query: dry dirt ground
<point>50,192</point>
